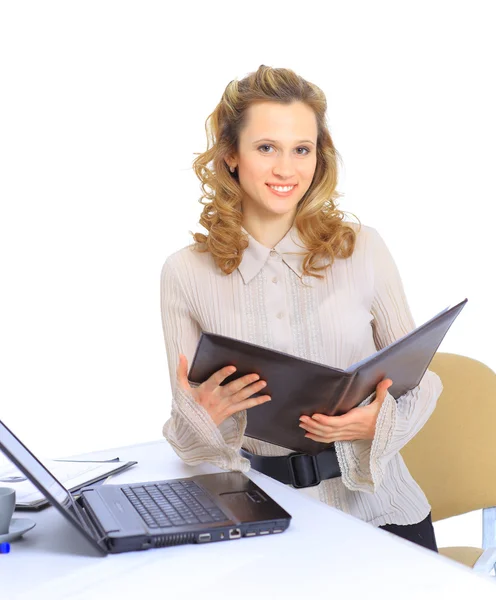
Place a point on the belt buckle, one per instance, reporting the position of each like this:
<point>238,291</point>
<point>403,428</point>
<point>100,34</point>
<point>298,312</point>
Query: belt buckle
<point>292,469</point>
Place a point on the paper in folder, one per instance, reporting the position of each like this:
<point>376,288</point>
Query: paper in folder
<point>73,474</point>
<point>299,386</point>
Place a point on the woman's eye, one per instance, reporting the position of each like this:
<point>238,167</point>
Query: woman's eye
<point>307,150</point>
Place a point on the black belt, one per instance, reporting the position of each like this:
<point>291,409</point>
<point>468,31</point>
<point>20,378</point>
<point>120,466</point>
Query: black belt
<point>300,470</point>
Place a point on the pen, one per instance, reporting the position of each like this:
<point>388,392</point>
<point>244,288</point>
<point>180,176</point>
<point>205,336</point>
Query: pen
<point>117,459</point>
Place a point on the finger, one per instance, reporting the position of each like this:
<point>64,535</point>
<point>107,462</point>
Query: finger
<point>315,429</point>
<point>246,404</point>
<point>386,383</point>
<point>311,424</point>
<point>319,438</point>
<point>382,388</point>
<point>218,377</point>
<point>182,372</point>
<point>335,421</point>
<point>329,440</point>
<point>247,391</point>
<point>233,387</point>
<point>324,431</point>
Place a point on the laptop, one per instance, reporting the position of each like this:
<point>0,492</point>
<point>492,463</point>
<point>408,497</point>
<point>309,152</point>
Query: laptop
<point>153,514</point>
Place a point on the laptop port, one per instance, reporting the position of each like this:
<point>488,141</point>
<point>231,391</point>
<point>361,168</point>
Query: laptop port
<point>204,537</point>
<point>264,532</point>
<point>234,533</point>
<point>250,533</point>
<point>277,531</point>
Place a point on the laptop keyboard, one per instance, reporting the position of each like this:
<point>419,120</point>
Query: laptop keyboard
<point>173,504</point>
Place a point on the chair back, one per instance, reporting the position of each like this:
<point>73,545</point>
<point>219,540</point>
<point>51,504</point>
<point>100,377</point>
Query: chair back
<point>453,457</point>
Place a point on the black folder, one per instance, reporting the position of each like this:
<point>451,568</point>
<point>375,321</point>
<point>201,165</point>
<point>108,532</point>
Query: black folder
<point>299,386</point>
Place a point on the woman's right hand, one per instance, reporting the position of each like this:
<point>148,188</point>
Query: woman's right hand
<point>222,401</point>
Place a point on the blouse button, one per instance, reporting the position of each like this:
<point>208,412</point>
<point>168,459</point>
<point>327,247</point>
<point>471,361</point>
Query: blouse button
<point>280,315</point>
<point>274,279</point>
<point>273,253</point>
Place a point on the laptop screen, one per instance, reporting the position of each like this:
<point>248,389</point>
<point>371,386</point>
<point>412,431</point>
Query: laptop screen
<point>41,477</point>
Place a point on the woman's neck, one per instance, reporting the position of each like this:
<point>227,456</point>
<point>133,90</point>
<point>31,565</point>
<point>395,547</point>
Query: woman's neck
<point>268,232</point>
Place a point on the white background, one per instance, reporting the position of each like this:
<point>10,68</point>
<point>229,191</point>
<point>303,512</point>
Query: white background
<point>102,107</point>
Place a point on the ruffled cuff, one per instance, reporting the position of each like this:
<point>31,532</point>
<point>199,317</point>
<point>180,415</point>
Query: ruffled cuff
<point>196,438</point>
<point>363,462</point>
<point>233,428</point>
<point>200,421</point>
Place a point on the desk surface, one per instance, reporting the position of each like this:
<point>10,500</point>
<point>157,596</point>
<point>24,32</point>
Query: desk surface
<point>323,554</point>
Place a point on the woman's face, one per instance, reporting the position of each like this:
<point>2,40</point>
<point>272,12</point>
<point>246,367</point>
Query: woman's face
<point>278,147</point>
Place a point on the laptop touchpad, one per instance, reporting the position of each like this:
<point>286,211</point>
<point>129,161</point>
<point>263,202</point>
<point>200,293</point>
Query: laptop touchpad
<point>246,505</point>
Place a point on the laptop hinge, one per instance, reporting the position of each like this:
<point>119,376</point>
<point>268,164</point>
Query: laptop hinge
<point>88,520</point>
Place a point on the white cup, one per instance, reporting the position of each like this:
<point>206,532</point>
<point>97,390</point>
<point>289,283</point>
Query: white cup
<point>7,506</point>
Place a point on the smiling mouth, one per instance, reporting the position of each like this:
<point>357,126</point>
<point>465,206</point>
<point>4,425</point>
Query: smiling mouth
<point>282,190</point>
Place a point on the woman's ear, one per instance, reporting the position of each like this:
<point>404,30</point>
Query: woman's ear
<point>230,162</point>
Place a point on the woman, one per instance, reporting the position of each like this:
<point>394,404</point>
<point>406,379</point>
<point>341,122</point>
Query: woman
<point>280,267</point>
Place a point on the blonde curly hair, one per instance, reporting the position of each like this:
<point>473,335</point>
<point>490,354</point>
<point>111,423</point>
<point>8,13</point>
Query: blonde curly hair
<point>319,222</point>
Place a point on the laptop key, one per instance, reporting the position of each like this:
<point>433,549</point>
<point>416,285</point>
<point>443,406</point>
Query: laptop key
<point>217,515</point>
<point>177,504</point>
<point>164,523</point>
<point>205,518</point>
<point>205,501</point>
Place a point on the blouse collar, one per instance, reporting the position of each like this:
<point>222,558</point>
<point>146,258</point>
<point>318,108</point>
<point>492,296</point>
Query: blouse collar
<point>256,254</point>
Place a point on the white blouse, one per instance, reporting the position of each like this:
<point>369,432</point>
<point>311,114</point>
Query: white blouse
<point>357,308</point>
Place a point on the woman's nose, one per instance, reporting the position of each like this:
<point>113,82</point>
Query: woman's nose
<point>284,167</point>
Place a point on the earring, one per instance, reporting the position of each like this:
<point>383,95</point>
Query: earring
<point>232,169</point>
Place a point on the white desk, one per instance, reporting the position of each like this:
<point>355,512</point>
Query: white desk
<point>325,553</point>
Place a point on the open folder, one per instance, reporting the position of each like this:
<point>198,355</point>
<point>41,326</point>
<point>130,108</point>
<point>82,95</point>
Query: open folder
<point>73,474</point>
<point>299,386</point>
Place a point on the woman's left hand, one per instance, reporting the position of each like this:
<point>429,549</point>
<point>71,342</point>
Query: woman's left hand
<point>357,424</point>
